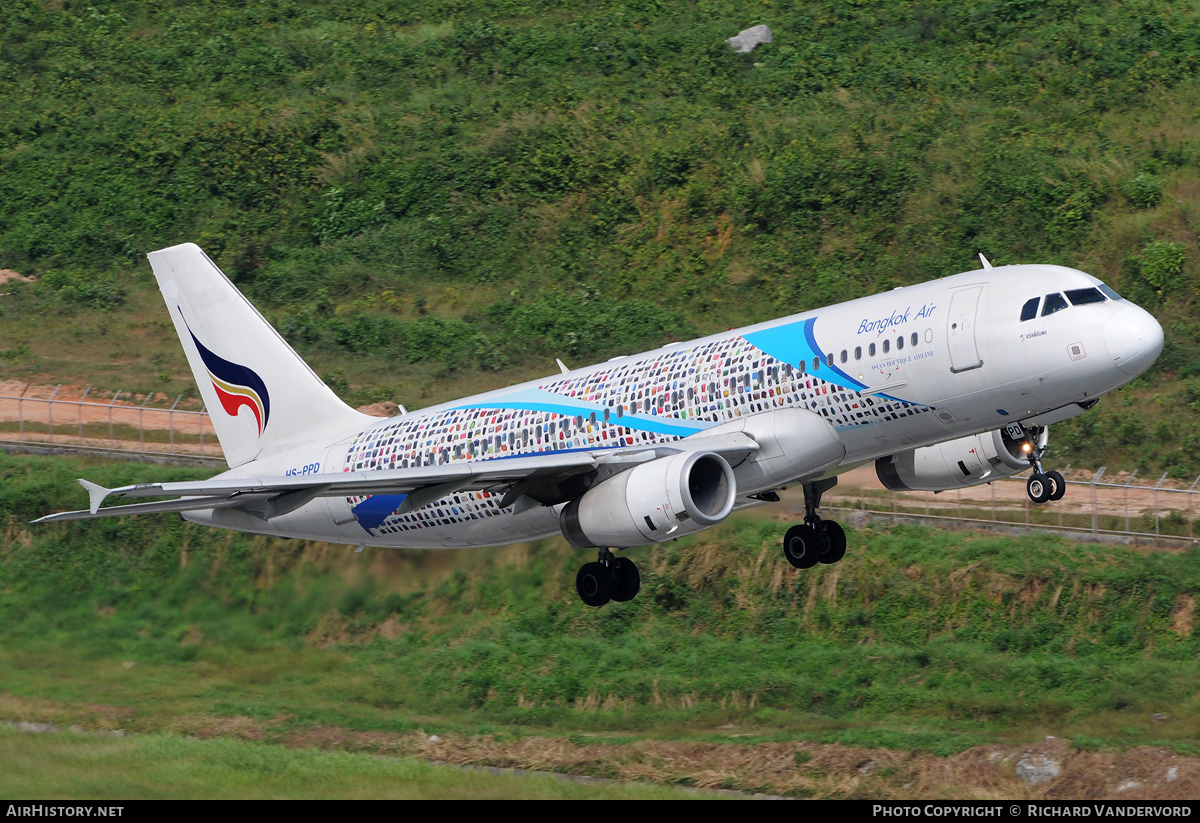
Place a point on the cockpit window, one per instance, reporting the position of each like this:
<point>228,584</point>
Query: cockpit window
<point>1112,295</point>
<point>1029,310</point>
<point>1079,297</point>
<point>1054,302</point>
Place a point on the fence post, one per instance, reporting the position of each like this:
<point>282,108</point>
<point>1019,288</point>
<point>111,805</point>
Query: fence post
<point>1095,515</point>
<point>1190,492</point>
<point>112,441</point>
<point>171,421</point>
<point>1128,483</point>
<point>85,394</point>
<point>141,423</point>
<point>1065,473</point>
<point>1156,488</point>
<point>21,413</point>
<point>50,411</point>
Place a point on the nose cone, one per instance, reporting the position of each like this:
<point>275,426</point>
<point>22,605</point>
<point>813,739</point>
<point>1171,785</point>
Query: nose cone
<point>1134,339</point>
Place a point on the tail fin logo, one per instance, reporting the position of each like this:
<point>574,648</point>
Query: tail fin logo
<point>236,385</point>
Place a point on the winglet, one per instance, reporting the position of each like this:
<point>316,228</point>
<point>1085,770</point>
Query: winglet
<point>96,494</point>
<point>984,261</point>
<point>561,366</point>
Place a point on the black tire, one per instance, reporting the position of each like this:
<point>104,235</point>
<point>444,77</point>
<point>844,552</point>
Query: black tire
<point>802,546</point>
<point>595,583</point>
<point>628,580</point>
<point>1058,485</point>
<point>835,547</point>
<point>1038,488</point>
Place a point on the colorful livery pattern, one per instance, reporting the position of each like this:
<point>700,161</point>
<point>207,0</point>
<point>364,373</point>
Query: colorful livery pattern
<point>636,402</point>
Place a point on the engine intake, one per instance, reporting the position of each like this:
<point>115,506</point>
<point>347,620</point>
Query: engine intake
<point>652,502</point>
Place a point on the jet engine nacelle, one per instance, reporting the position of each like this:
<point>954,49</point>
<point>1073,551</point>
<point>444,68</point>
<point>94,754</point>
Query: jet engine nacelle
<point>967,461</point>
<point>653,502</point>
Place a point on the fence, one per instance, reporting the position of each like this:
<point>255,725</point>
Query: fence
<point>115,424</point>
<point>1121,507</point>
<point>1124,508</point>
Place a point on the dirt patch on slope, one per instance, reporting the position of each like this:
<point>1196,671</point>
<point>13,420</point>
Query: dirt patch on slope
<point>1048,769</point>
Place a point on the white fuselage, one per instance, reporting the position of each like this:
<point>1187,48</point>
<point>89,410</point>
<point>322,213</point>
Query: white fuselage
<point>892,372</point>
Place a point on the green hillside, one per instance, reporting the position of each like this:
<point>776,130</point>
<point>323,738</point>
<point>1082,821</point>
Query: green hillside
<point>427,197</point>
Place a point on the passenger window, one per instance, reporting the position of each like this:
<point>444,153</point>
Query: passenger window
<point>899,343</point>
<point>858,352</point>
<point>886,346</point>
<point>1079,297</point>
<point>845,356</point>
<point>1054,302</point>
<point>1029,310</point>
<point>829,359</point>
<point>914,338</point>
<point>816,364</point>
<point>871,350</point>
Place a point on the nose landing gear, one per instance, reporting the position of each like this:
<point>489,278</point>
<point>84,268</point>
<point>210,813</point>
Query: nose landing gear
<point>1042,485</point>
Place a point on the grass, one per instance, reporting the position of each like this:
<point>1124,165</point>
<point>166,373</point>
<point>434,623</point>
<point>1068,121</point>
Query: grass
<point>76,766</point>
<point>960,637</point>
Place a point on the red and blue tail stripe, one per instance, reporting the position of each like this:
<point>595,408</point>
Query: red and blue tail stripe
<point>235,385</point>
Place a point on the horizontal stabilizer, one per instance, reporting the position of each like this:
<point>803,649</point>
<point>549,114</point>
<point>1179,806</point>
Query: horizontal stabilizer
<point>96,494</point>
<point>185,505</point>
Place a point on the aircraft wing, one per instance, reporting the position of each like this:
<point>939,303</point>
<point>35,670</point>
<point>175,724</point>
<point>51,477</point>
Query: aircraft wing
<point>272,496</point>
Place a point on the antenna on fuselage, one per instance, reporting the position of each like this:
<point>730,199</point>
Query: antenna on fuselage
<point>984,261</point>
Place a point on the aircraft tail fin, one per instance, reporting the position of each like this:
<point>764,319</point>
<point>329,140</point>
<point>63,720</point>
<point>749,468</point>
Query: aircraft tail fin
<point>262,397</point>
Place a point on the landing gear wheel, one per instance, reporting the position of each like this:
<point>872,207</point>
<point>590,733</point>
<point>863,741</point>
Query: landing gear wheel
<point>595,583</point>
<point>803,546</point>
<point>1058,485</point>
<point>835,543</point>
<point>628,580</point>
<point>1038,487</point>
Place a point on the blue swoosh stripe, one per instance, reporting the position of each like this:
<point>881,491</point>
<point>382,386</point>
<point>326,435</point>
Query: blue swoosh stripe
<point>812,341</point>
<point>544,401</point>
<point>797,342</point>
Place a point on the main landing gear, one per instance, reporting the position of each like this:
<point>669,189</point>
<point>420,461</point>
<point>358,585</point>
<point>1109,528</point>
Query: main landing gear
<point>609,578</point>
<point>815,540</point>
<point>1042,485</point>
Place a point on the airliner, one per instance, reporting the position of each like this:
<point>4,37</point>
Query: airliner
<point>942,385</point>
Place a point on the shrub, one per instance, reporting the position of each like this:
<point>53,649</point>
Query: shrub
<point>1161,265</point>
<point>1143,191</point>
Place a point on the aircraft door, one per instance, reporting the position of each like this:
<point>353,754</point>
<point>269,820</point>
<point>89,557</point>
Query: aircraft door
<point>960,330</point>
